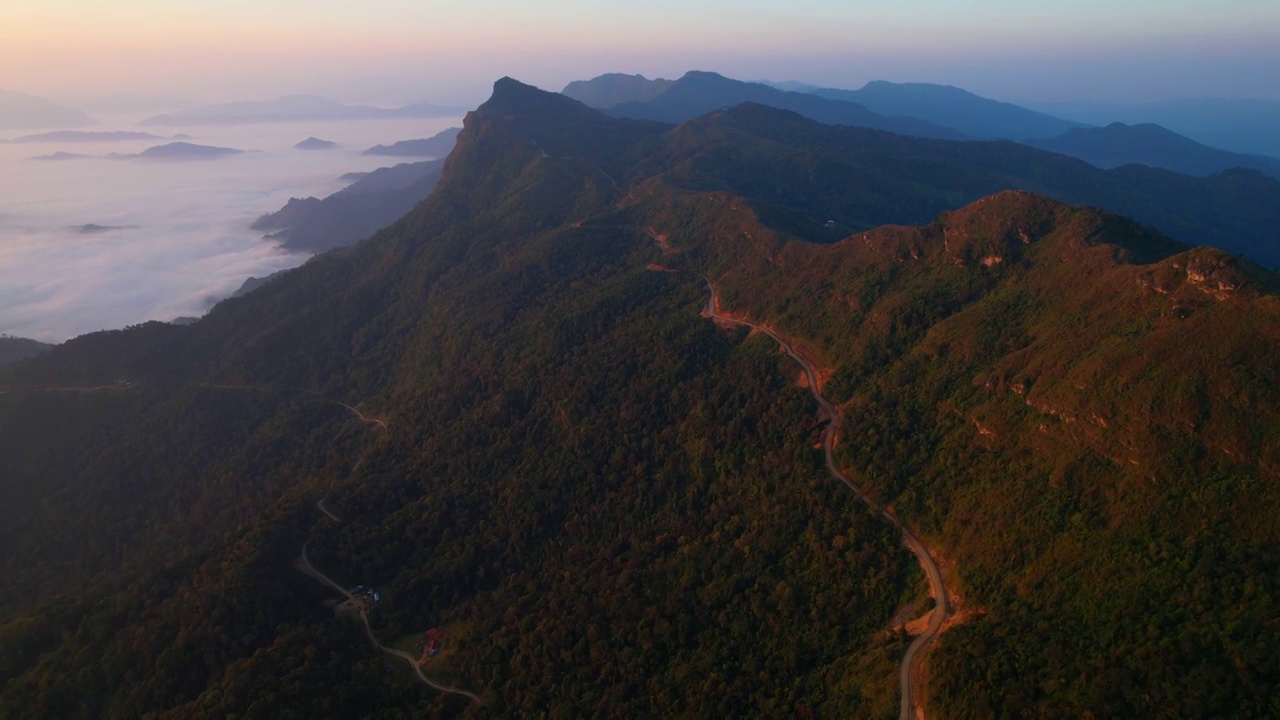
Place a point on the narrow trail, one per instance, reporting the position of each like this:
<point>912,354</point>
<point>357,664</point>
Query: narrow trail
<point>597,168</point>
<point>304,565</point>
<point>592,165</point>
<point>909,708</point>
<point>266,388</point>
<point>366,419</point>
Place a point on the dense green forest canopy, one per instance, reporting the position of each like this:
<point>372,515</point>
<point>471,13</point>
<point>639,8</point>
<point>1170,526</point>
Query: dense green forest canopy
<point>612,506</point>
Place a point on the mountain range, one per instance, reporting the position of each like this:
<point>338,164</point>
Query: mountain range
<point>949,112</point>
<point>180,151</point>
<point>27,112</point>
<point>1119,144</point>
<point>129,102</point>
<point>61,156</point>
<point>83,136</point>
<point>855,178</point>
<point>1240,125</point>
<point>315,143</point>
<point>436,146</point>
<point>945,106</point>
<point>13,349</point>
<point>697,93</point>
<point>168,151</point>
<point>952,107</point>
<point>581,413</point>
<point>371,202</point>
<point>613,89</point>
<point>374,201</point>
<point>292,108</point>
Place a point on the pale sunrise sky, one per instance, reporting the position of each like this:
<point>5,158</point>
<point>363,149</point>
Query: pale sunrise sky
<point>401,50</point>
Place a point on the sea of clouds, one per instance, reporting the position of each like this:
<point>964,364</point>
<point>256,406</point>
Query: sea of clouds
<point>179,237</point>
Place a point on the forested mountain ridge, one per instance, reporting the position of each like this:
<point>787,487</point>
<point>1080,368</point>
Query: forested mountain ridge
<point>951,106</point>
<point>605,91</point>
<point>860,178</point>
<point>931,107</point>
<point>355,212</point>
<point>1077,411</point>
<point>436,146</point>
<point>13,349</point>
<point>1233,208</point>
<point>697,93</point>
<point>1119,144</point>
<point>629,487</point>
<point>615,507</point>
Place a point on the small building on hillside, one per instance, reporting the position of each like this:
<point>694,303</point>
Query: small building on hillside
<point>432,640</point>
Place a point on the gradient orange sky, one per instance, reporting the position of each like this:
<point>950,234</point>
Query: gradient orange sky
<point>224,49</point>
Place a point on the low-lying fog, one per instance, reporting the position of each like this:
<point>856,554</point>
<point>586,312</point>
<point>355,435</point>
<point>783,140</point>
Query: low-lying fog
<point>173,236</point>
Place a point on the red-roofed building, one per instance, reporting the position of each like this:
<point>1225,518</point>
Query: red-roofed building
<point>432,640</point>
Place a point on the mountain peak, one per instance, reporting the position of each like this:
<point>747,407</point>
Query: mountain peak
<point>1015,218</point>
<point>1153,145</point>
<point>700,92</point>
<point>611,89</point>
<point>1005,200</point>
<point>557,124</point>
<point>315,143</point>
<point>702,75</point>
<point>1135,127</point>
<point>507,84</point>
<point>933,90</point>
<point>511,95</point>
<point>19,111</point>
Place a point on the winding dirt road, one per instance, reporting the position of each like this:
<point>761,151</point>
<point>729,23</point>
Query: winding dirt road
<point>320,506</point>
<point>305,566</point>
<point>941,610</point>
<point>267,388</point>
<point>363,418</point>
<point>74,389</point>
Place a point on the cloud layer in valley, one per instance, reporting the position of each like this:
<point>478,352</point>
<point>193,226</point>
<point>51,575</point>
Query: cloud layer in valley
<point>174,237</point>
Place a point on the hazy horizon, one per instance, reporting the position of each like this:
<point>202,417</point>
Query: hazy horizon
<point>186,240</point>
<point>397,51</point>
